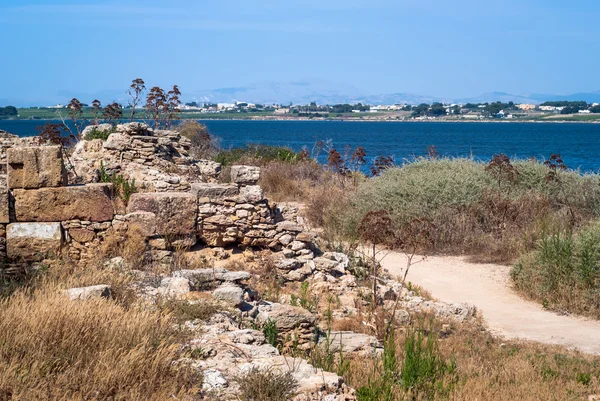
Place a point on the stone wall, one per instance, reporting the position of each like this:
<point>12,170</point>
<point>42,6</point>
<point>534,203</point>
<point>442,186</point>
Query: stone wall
<point>42,216</point>
<point>158,160</point>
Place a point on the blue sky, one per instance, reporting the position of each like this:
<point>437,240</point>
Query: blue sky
<point>55,49</point>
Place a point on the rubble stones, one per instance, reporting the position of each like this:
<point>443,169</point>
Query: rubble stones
<point>33,241</point>
<point>106,127</point>
<point>203,278</point>
<point>209,168</point>
<point>213,380</point>
<point>92,202</point>
<point>36,167</point>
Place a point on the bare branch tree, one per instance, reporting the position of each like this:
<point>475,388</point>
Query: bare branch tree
<point>136,89</point>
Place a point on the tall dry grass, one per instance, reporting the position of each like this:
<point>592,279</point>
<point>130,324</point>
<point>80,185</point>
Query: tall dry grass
<point>56,349</point>
<point>472,365</point>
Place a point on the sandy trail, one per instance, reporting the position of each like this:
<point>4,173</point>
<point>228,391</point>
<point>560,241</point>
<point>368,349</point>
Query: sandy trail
<point>487,286</point>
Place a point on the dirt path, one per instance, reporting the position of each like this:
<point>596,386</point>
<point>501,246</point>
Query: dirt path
<point>487,286</point>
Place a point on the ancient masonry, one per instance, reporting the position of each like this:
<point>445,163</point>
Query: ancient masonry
<point>41,215</point>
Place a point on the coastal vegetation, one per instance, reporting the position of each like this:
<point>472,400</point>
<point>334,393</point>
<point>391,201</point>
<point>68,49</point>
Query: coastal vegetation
<point>563,271</point>
<point>538,212</point>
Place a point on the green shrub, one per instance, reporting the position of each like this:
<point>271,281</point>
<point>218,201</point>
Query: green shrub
<point>270,331</point>
<point>95,133</point>
<point>423,373</point>
<point>563,272</point>
<point>472,210</point>
<point>123,187</point>
<point>256,153</point>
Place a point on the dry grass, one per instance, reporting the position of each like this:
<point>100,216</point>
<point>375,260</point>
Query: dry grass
<point>130,245</point>
<point>284,181</point>
<point>56,349</point>
<point>488,369</point>
<point>185,310</point>
<point>266,385</point>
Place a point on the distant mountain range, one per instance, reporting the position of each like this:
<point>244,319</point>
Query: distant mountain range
<point>302,92</point>
<point>327,93</point>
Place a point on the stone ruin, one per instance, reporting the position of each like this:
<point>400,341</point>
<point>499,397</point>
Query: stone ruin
<point>43,215</point>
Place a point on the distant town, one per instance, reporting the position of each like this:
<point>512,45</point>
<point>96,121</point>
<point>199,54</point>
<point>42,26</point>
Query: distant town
<point>547,111</point>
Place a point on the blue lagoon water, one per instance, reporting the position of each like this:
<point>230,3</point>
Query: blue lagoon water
<point>579,144</point>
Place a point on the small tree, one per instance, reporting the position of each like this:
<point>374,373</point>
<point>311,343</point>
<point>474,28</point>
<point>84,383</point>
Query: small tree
<point>57,134</point>
<point>136,89</point>
<point>380,164</point>
<point>96,111</point>
<point>113,112</point>
<point>376,228</point>
<point>335,161</point>
<point>75,108</point>
<point>156,105</point>
<point>173,106</point>
<point>556,166</point>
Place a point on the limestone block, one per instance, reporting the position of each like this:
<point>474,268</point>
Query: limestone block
<point>230,294</point>
<point>252,193</point>
<point>214,191</point>
<point>175,211</point>
<point>349,342</point>
<point>91,202</point>
<point>209,168</point>
<point>4,204</point>
<point>91,292</point>
<point>246,175</point>
<point>174,286</point>
<point>33,241</point>
<point>82,235</point>
<point>36,167</point>
<point>145,222</point>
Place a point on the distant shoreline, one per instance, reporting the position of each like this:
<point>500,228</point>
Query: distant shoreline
<point>358,120</point>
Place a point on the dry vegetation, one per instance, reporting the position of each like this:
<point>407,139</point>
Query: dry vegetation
<point>53,348</point>
<point>466,363</point>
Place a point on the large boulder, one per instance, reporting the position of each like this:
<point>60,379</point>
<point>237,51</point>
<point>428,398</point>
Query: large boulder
<point>35,167</point>
<point>33,241</point>
<point>245,175</point>
<point>175,211</point>
<point>92,202</point>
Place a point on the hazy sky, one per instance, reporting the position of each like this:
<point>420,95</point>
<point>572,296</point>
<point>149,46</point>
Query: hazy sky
<point>52,49</point>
